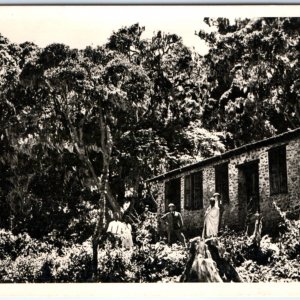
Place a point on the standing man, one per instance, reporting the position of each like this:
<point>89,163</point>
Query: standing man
<point>115,229</point>
<point>174,222</point>
<point>219,204</point>
<point>211,220</point>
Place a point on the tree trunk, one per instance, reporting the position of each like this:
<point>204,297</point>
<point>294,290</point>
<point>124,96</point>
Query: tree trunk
<point>256,236</point>
<point>200,266</point>
<point>102,184</point>
<point>206,263</point>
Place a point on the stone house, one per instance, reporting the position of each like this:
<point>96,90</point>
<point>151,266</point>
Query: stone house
<point>249,178</point>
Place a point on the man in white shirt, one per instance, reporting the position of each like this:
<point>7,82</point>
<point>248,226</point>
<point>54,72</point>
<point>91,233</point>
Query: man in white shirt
<point>220,205</point>
<point>115,228</point>
<point>211,220</point>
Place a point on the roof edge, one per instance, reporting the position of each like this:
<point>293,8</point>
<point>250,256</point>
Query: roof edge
<point>251,146</point>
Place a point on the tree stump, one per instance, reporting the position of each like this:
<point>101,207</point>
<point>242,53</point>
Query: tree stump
<point>207,264</point>
<point>200,266</point>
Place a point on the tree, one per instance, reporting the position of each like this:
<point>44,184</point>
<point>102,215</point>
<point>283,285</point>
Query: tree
<point>127,41</point>
<point>86,126</point>
<point>156,142</point>
<point>13,201</point>
<point>252,71</point>
<point>82,110</point>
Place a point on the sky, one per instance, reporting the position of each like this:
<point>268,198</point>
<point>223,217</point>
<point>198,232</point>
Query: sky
<point>79,26</point>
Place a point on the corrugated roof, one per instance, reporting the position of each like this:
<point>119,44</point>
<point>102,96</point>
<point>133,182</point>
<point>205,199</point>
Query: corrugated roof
<point>262,143</point>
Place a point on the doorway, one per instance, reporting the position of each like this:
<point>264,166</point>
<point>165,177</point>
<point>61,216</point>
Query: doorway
<point>248,191</point>
<point>172,193</point>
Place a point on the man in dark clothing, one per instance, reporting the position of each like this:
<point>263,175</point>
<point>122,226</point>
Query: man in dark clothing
<point>174,222</point>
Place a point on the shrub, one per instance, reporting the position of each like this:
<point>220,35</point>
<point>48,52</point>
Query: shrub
<point>146,231</point>
<point>290,237</point>
<point>24,259</point>
<point>116,265</point>
<point>28,260</point>
<point>159,261</point>
<point>273,260</point>
<point>74,264</point>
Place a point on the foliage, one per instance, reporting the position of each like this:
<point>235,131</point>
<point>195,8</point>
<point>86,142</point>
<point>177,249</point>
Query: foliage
<point>147,229</point>
<point>79,128</point>
<point>251,88</point>
<point>290,233</point>
<point>29,260</point>
<point>115,265</point>
<point>25,259</point>
<point>160,262</point>
<point>275,259</point>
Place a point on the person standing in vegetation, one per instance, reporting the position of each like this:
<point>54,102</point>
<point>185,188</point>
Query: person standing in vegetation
<point>174,222</point>
<point>211,220</point>
<point>115,229</point>
<point>219,204</point>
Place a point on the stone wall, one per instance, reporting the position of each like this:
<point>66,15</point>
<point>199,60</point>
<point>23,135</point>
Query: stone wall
<point>193,219</point>
<point>293,167</point>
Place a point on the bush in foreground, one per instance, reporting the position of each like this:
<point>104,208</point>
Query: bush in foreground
<point>29,260</point>
<point>24,259</point>
<point>276,259</point>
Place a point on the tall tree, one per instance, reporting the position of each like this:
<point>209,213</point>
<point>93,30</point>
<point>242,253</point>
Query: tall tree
<point>88,125</point>
<point>252,71</point>
<point>81,106</point>
<point>157,141</point>
<point>13,107</point>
